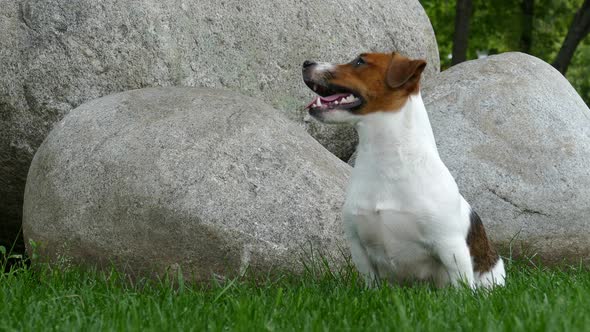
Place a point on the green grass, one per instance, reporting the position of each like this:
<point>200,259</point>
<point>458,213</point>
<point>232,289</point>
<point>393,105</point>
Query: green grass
<point>534,299</point>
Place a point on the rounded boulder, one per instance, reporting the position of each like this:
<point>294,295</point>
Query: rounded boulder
<point>203,180</point>
<point>516,136</point>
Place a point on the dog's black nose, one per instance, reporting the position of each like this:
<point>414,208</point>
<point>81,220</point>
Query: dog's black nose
<point>308,63</point>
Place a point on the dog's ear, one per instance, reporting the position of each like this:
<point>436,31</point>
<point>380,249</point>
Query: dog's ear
<point>403,71</point>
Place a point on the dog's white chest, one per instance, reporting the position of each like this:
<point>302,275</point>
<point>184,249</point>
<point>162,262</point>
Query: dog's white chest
<point>394,243</point>
<point>397,220</point>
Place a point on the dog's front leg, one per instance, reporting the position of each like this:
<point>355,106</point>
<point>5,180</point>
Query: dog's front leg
<point>363,263</point>
<point>455,257</point>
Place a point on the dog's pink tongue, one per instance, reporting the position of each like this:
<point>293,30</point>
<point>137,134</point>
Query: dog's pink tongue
<point>334,97</point>
<point>327,99</point>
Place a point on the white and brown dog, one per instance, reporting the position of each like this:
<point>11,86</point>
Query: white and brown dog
<point>404,216</point>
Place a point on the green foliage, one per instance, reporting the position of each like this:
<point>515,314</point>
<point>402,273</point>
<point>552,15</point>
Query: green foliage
<point>578,73</point>
<point>43,299</point>
<point>7,257</point>
<point>496,27</point>
<point>442,16</point>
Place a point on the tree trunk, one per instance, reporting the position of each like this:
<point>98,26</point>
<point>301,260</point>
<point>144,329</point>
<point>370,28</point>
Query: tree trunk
<point>461,34</point>
<point>578,30</point>
<point>528,13</point>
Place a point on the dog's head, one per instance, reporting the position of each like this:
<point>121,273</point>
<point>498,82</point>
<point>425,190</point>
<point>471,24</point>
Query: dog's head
<point>372,82</point>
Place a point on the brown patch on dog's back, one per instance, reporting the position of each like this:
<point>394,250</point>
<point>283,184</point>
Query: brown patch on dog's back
<point>385,81</point>
<point>483,253</point>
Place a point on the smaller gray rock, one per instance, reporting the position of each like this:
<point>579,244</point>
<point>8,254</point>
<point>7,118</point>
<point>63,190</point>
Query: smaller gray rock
<point>516,136</point>
<point>209,181</point>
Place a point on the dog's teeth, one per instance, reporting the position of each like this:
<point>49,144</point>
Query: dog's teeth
<point>319,102</point>
<point>336,102</point>
<point>315,87</point>
<point>349,99</point>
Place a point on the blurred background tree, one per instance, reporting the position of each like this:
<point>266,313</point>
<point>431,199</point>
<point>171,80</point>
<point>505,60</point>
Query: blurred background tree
<point>536,27</point>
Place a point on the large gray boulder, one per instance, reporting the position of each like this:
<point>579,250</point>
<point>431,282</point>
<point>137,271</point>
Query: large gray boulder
<point>208,181</point>
<point>516,136</point>
<point>57,54</point>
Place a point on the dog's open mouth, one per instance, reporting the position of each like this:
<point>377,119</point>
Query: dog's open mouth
<point>332,97</point>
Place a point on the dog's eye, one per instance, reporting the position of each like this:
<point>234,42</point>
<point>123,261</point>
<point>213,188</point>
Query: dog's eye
<point>358,62</point>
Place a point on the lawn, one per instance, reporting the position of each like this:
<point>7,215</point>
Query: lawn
<point>534,299</point>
